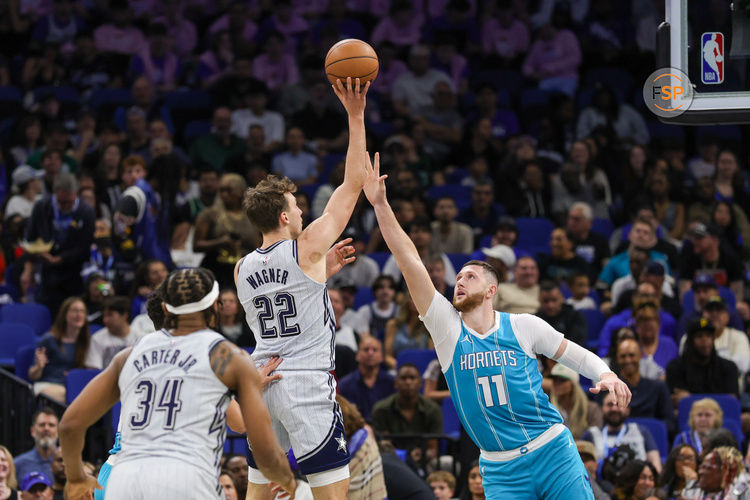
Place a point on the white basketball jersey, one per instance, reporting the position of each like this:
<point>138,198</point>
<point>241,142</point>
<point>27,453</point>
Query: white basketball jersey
<point>288,312</point>
<point>173,405</point>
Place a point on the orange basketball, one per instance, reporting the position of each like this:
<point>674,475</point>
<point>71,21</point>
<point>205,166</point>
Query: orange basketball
<point>353,58</point>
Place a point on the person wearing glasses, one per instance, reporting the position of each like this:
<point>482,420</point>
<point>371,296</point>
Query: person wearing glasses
<point>680,468</point>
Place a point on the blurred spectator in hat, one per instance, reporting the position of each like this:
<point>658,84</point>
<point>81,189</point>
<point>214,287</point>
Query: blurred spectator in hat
<point>562,317</point>
<point>255,111</point>
<point>402,25</point>
<point>219,145</point>
<point>450,236</point>
<point>43,66</point>
<point>704,287</point>
<point>521,296</point>
<point>120,35</point>
<point>589,245</point>
<point>436,269</point>
<point>36,486</point>
<point>580,287</point>
<point>653,272</point>
<point>376,314</point>
<point>412,90</point>
<point>505,37</point>
<point>699,369</point>
<point>706,255</point>
<point>587,453</point>
<point>529,196</point>
<point>391,68</point>
<point>502,259</point>
<point>181,30</point>
<point>363,271</point>
<point>156,61</point>
<point>27,184</point>
<point>275,67</point>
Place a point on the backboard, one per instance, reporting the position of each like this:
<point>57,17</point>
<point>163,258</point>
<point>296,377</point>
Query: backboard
<point>708,40</point>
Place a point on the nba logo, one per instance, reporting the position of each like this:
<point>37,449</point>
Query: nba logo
<point>712,58</point>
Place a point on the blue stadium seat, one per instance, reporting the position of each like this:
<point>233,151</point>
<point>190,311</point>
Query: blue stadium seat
<point>594,322</point>
<point>235,443</point>
<point>605,227</point>
<point>187,99</point>
<point>615,78</point>
<point>93,328</point>
<point>112,98</point>
<point>688,300</point>
<point>534,98</point>
<point>729,405</point>
<point>380,257</point>
<point>76,380</point>
<point>23,360</point>
<point>63,94</point>
<point>419,357</point>
<point>458,260</point>
<point>36,316</point>
<point>116,416</point>
<point>310,190</point>
<point>736,428</point>
<point>13,336</point>
<point>460,194</point>
<point>329,161</point>
<point>658,431</point>
<point>195,129</point>
<point>7,127</point>
<point>451,423</point>
<point>363,297</point>
<point>533,234</point>
<point>486,241</point>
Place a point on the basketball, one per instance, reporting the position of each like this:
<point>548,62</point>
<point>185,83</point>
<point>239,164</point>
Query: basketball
<point>351,58</point>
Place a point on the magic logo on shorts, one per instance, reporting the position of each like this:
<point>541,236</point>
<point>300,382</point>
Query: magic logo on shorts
<point>712,58</point>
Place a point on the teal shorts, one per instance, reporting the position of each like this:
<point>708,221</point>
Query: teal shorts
<point>554,471</point>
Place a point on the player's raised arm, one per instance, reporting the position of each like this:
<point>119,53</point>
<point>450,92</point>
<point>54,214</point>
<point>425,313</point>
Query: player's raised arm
<point>417,279</point>
<point>92,403</point>
<point>239,374</point>
<point>318,237</point>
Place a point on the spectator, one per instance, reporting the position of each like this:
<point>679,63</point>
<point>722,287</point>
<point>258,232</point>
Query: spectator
<point>60,350</point>
<point>553,60</point>
<point>502,259</point>
<point>96,288</point>
<point>421,235</point>
<point>339,18</point>
<point>588,456</point>
<point>482,214</point>
<point>55,139</point>
<point>156,61</point>
<point>344,335</point>
<point>232,322</point>
<point>607,110</point>
<point>389,415</point>
<point>69,225</point>
<point>669,213</point>
<point>681,466</point>
<point>529,197</point>
<point>224,232</point>
<point>562,317</point>
<point>705,255</point>
<point>43,66</point>
<point>699,369</point>
<point>443,484</point>
<point>562,262</point>
<point>436,269</point>
<point>136,130</point>
<point>635,479</point>
<point>568,397</point>
<point>215,148</point>
<point>411,90</point>
<point>733,226</point>
<point>441,121</point>
<point>296,163</point>
<point>705,416</point>
<point>39,459</point>
<point>729,180</point>
<point>435,385</point>
<point>227,485</point>
<point>401,482</point>
<point>180,29</point>
<point>637,263</point>
<point>704,287</point>
<point>402,25</point>
<point>405,331</point>
<point>255,111</point>
<point>721,473</point>
<point>504,121</point>
<point>650,395</point>
<point>149,275</point>
<point>275,67</point>
<point>391,68</point>
<point>321,120</point>
<point>364,271</point>
<point>58,474</point>
<point>505,36</point>
<point>580,287</point>
<point>376,314</point>
<point>114,337</point>
<point>232,88</point>
<point>254,154</point>
<point>28,186</point>
<point>617,432</point>
<point>237,23</point>
<point>216,62</point>
<point>474,487</point>
<point>28,139</point>
<point>120,35</point>
<point>60,26</point>
<point>369,383</point>
<point>589,245</point>
<point>237,469</point>
<point>451,236</point>
<point>287,20</point>
<point>660,349</point>
<point>36,486</point>
<point>521,296</point>
<point>8,481</point>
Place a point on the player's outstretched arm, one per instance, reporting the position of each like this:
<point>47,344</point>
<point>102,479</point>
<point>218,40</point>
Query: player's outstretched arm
<point>92,403</point>
<point>417,279</point>
<point>318,237</point>
<point>239,374</point>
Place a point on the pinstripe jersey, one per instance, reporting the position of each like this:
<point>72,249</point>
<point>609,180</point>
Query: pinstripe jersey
<point>289,312</point>
<point>494,379</point>
<point>173,405</point>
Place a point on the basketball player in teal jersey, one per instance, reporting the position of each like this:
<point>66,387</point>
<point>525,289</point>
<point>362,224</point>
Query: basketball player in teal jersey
<point>489,361</point>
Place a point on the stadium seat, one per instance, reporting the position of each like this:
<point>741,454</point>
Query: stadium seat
<point>380,257</point>
<point>23,360</point>
<point>363,297</point>
<point>688,300</point>
<point>729,405</point>
<point>235,443</point>
<point>329,162</point>
<point>736,428</point>
<point>419,357</point>
<point>110,98</point>
<point>460,194</point>
<point>594,322</point>
<point>36,316</point>
<point>615,78</point>
<point>458,260</point>
<point>76,380</point>
<point>658,431</point>
<point>533,234</point>
<point>451,423</point>
<point>93,328</point>
<point>13,336</point>
<point>195,129</point>
<point>187,99</point>
<point>11,101</point>
<point>63,94</point>
<point>533,99</point>
<point>116,416</point>
<point>602,226</point>
<point>310,190</point>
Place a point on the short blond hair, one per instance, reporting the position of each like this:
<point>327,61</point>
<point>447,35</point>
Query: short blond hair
<point>706,404</point>
<point>11,481</point>
<point>443,476</point>
<point>265,202</point>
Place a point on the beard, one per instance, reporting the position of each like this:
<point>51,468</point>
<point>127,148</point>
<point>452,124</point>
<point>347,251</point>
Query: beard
<point>46,442</point>
<point>469,303</point>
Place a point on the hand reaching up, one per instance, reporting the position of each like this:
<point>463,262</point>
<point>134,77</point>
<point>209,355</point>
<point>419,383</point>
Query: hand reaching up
<point>352,96</point>
<point>374,187</point>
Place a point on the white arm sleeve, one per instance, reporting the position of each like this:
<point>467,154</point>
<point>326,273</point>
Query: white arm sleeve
<point>444,324</point>
<point>536,336</point>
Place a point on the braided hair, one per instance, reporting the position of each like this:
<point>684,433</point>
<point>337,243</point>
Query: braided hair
<point>185,286</point>
<point>730,461</point>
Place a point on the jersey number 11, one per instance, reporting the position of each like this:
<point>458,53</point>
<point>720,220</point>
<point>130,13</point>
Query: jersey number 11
<point>486,385</point>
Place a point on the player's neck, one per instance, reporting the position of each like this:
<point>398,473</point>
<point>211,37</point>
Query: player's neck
<point>279,234</point>
<point>189,323</point>
<point>481,319</point>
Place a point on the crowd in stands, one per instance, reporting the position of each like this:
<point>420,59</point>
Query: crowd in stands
<point>511,131</point>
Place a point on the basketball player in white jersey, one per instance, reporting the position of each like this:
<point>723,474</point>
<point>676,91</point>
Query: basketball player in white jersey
<point>282,287</point>
<point>175,385</point>
<point>489,362</point>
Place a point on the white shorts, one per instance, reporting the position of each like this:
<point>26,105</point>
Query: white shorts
<point>307,419</point>
<point>161,478</point>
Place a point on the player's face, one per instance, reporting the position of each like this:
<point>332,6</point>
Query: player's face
<point>441,490</point>
<point>294,213</point>
<point>475,482</point>
<point>471,289</point>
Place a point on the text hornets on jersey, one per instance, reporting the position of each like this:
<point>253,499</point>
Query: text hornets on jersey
<point>487,359</point>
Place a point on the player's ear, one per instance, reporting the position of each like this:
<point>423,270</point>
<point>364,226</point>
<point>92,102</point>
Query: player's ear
<point>491,291</point>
